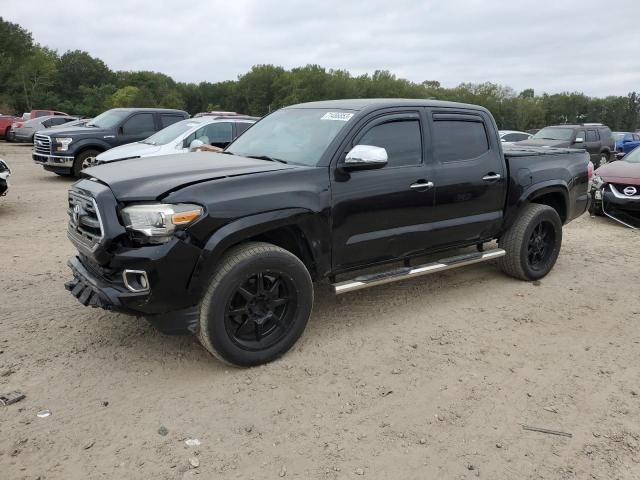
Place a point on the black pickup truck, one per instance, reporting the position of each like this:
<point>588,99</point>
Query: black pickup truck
<point>228,245</point>
<point>68,151</point>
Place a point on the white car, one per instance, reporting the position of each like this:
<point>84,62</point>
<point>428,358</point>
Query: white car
<point>511,136</point>
<point>182,137</point>
<point>5,173</point>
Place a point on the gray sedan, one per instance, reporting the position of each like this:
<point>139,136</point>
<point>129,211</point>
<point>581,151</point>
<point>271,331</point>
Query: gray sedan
<point>24,131</point>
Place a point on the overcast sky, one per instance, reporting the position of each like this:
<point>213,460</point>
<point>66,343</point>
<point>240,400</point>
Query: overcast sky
<point>550,45</point>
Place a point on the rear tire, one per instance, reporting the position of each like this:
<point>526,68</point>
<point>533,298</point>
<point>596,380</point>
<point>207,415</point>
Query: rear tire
<point>84,160</point>
<point>532,243</point>
<point>257,305</point>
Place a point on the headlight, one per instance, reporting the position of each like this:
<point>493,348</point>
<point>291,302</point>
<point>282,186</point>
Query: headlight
<point>62,144</point>
<point>597,182</point>
<point>157,222</point>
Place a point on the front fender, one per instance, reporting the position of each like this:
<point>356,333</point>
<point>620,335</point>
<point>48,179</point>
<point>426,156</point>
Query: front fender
<point>313,225</point>
<point>94,143</point>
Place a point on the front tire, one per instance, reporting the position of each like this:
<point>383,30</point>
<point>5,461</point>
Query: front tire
<point>532,243</point>
<point>257,305</point>
<point>84,160</point>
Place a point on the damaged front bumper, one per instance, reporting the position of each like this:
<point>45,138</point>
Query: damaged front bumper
<point>621,206</point>
<point>126,294</point>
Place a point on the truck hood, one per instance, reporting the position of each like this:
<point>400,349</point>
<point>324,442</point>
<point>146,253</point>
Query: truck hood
<point>130,150</point>
<point>144,179</point>
<point>620,172</point>
<point>541,142</point>
<point>78,132</point>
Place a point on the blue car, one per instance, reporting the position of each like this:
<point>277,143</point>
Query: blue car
<point>625,142</point>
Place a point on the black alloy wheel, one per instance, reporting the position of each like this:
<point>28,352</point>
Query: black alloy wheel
<point>260,311</point>
<point>541,245</point>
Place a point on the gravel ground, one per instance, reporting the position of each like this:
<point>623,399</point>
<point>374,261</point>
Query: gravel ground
<point>430,378</point>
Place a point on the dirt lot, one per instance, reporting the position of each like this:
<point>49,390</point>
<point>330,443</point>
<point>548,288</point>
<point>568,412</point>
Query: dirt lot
<point>432,378</point>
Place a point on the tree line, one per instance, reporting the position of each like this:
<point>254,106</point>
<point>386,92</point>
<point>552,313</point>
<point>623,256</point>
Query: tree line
<point>34,76</point>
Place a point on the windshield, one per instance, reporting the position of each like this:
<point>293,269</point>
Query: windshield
<point>171,133</point>
<point>618,136</point>
<point>108,119</point>
<point>293,135</point>
<point>633,156</point>
<point>554,133</point>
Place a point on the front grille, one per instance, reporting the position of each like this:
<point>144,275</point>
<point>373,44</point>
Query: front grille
<point>85,225</point>
<point>620,187</point>
<point>42,144</point>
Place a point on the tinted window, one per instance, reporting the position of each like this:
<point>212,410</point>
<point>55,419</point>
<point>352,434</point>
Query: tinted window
<point>41,113</point>
<point>636,138</point>
<point>242,127</point>
<point>580,134</point>
<point>58,121</point>
<point>592,136</point>
<point>459,140</point>
<point>554,133</point>
<point>401,139</point>
<point>140,124</point>
<point>166,120</point>
<point>515,137</point>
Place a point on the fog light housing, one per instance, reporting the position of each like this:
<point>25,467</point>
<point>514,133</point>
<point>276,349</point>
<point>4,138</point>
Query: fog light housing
<point>136,281</point>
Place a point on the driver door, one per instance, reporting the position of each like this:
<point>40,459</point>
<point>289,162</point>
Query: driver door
<point>383,214</point>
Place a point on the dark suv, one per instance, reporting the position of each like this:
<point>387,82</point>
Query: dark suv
<point>597,139</point>
<point>67,151</point>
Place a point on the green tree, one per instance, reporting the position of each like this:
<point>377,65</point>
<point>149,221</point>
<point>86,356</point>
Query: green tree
<point>79,69</point>
<point>36,76</point>
<point>16,45</point>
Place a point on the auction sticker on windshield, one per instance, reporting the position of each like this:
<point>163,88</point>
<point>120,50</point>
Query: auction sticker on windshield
<point>339,116</point>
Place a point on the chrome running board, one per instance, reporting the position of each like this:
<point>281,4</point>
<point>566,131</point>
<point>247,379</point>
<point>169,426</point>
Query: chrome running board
<point>402,273</point>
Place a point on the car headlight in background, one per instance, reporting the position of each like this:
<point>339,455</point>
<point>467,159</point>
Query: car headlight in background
<point>158,221</point>
<point>62,144</point>
<point>597,182</point>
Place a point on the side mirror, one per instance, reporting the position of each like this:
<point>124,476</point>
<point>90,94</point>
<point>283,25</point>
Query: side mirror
<point>195,144</point>
<point>365,157</point>
<point>120,130</point>
<point>579,140</point>
<point>503,140</point>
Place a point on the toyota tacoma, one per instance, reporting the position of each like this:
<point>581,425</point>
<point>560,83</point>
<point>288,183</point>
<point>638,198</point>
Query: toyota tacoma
<point>228,246</point>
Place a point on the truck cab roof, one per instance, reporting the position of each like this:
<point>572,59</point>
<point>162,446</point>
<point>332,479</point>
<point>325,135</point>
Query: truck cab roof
<point>362,104</point>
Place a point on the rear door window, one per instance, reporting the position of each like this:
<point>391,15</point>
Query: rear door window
<point>166,120</point>
<point>592,136</point>
<point>242,127</point>
<point>457,140</point>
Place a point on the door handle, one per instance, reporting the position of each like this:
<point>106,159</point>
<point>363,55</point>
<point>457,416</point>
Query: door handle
<point>421,185</point>
<point>491,177</point>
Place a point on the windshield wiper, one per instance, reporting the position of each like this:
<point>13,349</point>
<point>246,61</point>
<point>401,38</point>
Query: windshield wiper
<point>266,157</point>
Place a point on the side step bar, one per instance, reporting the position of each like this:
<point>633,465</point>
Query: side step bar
<point>402,273</point>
